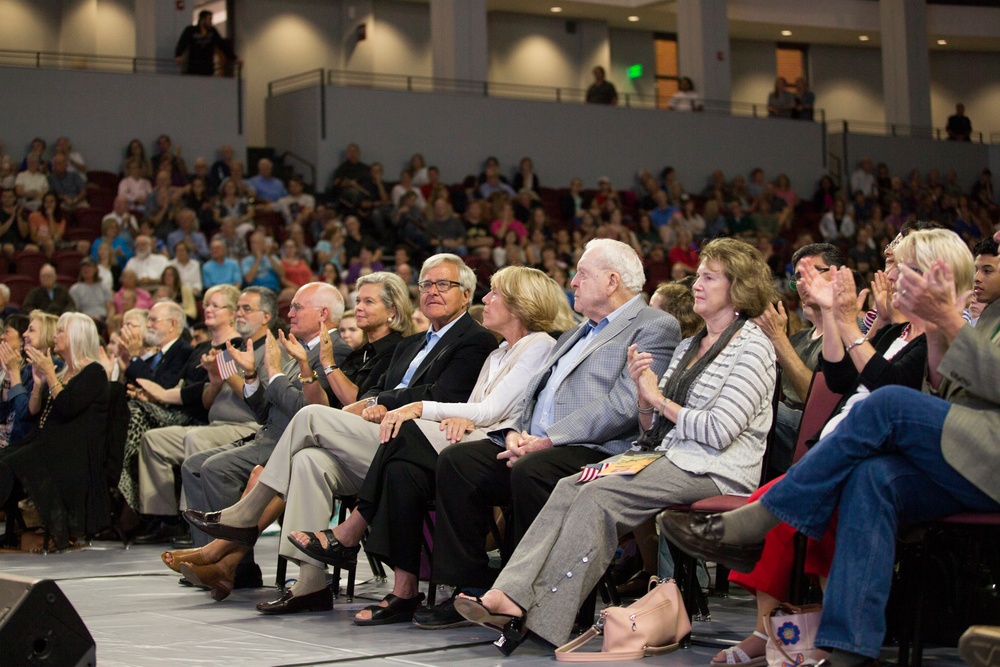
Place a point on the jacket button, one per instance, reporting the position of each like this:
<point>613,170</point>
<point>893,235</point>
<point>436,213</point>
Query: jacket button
<point>569,575</point>
<point>586,560</point>
<point>554,589</point>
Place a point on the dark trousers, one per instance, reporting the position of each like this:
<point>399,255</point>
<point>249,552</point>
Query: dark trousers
<point>394,495</point>
<point>471,482</point>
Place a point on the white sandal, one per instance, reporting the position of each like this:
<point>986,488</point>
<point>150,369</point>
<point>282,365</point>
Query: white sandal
<point>737,657</point>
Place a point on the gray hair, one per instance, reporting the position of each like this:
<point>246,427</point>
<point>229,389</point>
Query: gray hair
<point>622,259</point>
<point>466,276</point>
<point>5,291</point>
<point>268,300</point>
<point>176,312</point>
<point>395,296</point>
<point>84,343</point>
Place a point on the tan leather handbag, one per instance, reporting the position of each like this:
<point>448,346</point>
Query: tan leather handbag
<point>653,625</point>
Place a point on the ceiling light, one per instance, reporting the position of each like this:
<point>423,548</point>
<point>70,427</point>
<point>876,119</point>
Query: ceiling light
<point>786,33</point>
<point>942,42</point>
<point>633,19</point>
<point>864,38</point>
<point>555,10</point>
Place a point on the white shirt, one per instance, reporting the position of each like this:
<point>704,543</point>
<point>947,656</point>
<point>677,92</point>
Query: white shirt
<point>151,267</point>
<point>190,274</point>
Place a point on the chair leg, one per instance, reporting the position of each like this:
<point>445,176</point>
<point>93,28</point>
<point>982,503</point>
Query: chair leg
<point>282,571</point>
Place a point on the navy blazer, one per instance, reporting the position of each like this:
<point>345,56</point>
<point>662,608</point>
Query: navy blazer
<point>448,374</point>
<point>170,369</point>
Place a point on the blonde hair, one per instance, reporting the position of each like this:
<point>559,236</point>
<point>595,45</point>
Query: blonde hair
<point>530,296</point>
<point>230,295</point>
<point>46,327</point>
<point>922,247</point>
<point>751,287</point>
<point>395,296</point>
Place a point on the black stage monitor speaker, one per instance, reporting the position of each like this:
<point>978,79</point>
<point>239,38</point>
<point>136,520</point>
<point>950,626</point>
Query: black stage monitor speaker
<point>38,626</point>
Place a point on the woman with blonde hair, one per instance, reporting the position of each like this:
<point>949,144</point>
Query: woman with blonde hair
<point>52,464</point>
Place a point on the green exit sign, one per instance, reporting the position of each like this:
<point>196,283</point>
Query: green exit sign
<point>635,71</point>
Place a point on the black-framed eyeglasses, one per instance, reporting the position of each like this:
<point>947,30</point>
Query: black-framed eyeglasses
<point>441,285</point>
<point>796,277</point>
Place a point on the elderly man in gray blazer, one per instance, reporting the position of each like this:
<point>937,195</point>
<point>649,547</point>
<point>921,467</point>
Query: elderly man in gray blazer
<point>901,456</point>
<point>579,408</point>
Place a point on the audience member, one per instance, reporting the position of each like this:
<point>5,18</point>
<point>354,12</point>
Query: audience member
<point>601,91</point>
<point>685,99</point>
<point>172,289</point>
<point>89,295</point>
<point>297,206</point>
<point>198,44</point>
<point>352,180</point>
<point>220,269</point>
<point>268,187</point>
<point>220,170</point>
<point>780,102</point>
<point>187,233</point>
<point>49,296</point>
<point>128,225</point>
<point>959,126</point>
<point>31,183</point>
<point>145,264</point>
<point>188,269</point>
<point>47,225</point>
<point>17,383</point>
<point>69,186</point>
<point>15,233</point>
<point>805,100</point>
<point>261,267</point>
<point>129,290</point>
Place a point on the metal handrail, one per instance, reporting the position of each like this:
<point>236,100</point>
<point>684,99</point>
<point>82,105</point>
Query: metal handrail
<point>309,165</point>
<point>86,61</point>
<point>428,84</point>
<point>902,130</point>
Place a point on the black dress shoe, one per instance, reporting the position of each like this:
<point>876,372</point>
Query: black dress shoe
<point>184,541</point>
<point>160,533</point>
<point>321,600</point>
<point>440,617</point>
<point>208,523</point>
<point>701,536</point>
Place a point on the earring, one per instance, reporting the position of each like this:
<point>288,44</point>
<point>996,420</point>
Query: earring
<point>390,319</point>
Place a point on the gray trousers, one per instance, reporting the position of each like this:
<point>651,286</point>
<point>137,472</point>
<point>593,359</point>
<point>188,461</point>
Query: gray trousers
<point>323,453</point>
<point>571,543</point>
<point>162,450</point>
<point>215,479</point>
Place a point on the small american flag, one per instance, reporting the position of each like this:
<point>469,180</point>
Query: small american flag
<point>224,362</point>
<point>592,470</point>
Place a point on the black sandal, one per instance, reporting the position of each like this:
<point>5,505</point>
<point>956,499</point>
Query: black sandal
<point>398,610</point>
<point>511,628</point>
<point>334,553</point>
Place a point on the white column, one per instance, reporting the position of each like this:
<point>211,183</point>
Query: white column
<point>905,62</point>
<point>703,47</point>
<point>458,38</point>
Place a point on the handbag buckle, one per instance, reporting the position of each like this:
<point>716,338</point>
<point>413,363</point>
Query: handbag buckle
<point>599,624</point>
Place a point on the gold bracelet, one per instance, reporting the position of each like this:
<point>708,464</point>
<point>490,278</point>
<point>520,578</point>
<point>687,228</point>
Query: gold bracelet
<point>310,379</point>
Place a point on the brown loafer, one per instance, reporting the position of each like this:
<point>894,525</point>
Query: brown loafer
<point>208,523</point>
<point>980,646</point>
<point>321,600</point>
<point>700,535</point>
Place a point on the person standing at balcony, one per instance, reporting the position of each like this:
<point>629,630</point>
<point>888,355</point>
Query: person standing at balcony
<point>959,126</point>
<point>601,91</point>
<point>195,50</point>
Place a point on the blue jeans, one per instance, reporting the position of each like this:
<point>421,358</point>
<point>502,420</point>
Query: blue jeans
<point>882,467</point>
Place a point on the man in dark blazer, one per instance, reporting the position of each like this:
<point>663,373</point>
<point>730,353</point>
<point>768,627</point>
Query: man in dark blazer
<point>580,408</point>
<point>49,296</point>
<point>326,452</point>
<point>163,330</point>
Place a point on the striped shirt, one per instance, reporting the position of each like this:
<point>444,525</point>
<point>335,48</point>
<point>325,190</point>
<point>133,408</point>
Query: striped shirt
<point>722,429</point>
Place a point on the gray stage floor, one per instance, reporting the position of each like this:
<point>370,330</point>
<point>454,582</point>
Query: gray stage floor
<point>139,617</point>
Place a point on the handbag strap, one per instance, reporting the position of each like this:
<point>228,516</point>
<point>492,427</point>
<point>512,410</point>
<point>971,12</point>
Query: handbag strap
<point>565,652</point>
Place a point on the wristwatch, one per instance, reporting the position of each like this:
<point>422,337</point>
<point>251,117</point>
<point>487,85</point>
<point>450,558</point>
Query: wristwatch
<point>854,344</point>
<point>329,369</point>
<point>371,402</point>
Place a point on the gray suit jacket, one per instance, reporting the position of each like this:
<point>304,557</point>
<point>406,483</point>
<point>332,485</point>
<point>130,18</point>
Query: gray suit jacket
<point>970,441</point>
<point>276,404</point>
<point>595,406</point>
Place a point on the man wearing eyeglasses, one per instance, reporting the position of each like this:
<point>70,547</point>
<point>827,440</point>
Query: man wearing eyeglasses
<point>326,452</point>
<point>215,478</point>
<point>230,419</point>
<point>798,354</point>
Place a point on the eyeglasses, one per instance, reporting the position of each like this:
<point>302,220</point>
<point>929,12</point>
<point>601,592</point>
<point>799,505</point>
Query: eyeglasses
<point>296,307</point>
<point>796,277</point>
<point>212,306</point>
<point>891,245</point>
<point>247,310</point>
<point>441,285</point>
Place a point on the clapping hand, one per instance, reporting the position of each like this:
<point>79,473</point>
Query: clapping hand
<point>10,359</point>
<point>41,361</point>
<point>819,289</point>
<point>645,380</point>
<point>243,358</point>
<point>130,342</point>
<point>846,301</point>
<point>773,321</point>
<point>153,391</point>
<point>272,355</point>
<point>325,349</point>
<point>294,348</point>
